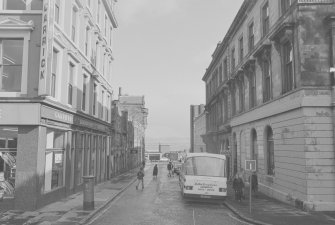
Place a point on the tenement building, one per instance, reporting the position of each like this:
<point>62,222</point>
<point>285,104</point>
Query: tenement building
<point>55,97</point>
<point>198,128</point>
<point>270,98</point>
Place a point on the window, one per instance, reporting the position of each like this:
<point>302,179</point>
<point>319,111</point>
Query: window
<point>98,11</point>
<point>107,108</point>
<point>241,94</point>
<point>288,78</point>
<point>11,64</point>
<point>285,5</point>
<point>74,24</point>
<point>57,10</point>
<point>270,152</point>
<point>94,99</point>
<point>87,36</point>
<point>70,85</point>
<point>252,89</point>
<point>265,18</point>
<point>225,69</point>
<point>102,104</point>
<point>110,36</point>
<point>251,36</point>
<point>233,59</point>
<point>266,80</point>
<point>14,5</point>
<point>106,25</point>
<point>83,101</point>
<point>54,73</point>
<point>103,65</point>
<point>220,74</point>
<point>8,152</point>
<point>233,101</point>
<point>225,108</point>
<point>54,159</point>
<point>254,147</point>
<point>241,53</point>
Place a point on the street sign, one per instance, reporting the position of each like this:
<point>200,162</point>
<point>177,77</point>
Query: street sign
<point>250,165</point>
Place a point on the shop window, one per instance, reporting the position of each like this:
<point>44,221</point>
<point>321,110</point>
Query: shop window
<point>11,51</point>
<point>54,160</point>
<point>8,151</point>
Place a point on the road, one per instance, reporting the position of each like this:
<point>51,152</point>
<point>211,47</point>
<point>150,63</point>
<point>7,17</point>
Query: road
<point>160,202</point>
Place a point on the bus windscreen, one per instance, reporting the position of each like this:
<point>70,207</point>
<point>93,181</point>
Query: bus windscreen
<point>205,166</point>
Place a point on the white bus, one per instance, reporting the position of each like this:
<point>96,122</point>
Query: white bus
<point>203,175</point>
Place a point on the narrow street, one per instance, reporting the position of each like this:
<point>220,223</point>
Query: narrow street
<point>161,203</point>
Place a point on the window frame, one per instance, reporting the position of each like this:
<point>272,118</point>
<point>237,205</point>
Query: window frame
<point>251,36</point>
<point>241,49</point>
<point>85,78</point>
<point>265,15</point>
<point>252,90</point>
<point>74,31</point>
<point>270,157</point>
<point>288,80</point>
<point>14,33</point>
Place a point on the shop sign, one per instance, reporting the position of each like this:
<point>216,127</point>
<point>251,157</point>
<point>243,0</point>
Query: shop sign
<point>89,124</point>
<point>46,47</point>
<point>58,158</point>
<point>54,114</point>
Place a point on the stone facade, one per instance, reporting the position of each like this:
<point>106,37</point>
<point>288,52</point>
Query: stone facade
<point>269,97</point>
<point>55,98</point>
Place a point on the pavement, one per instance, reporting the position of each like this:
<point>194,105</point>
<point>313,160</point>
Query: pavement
<point>69,211</point>
<point>266,210</point>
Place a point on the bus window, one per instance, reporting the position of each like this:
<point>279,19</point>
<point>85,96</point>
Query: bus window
<point>205,166</point>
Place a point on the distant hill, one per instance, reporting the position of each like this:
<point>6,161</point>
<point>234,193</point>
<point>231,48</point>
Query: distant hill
<point>176,143</point>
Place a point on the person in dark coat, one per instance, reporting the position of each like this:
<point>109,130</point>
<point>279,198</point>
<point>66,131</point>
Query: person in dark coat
<point>238,186</point>
<point>254,182</point>
<point>155,172</point>
<point>140,176</point>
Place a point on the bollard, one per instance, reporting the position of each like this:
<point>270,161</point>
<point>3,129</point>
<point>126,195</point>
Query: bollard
<point>88,199</point>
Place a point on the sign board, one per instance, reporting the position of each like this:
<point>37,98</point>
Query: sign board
<point>250,165</point>
<point>133,151</point>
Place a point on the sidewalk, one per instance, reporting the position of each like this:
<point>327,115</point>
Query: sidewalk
<point>69,211</point>
<point>265,210</point>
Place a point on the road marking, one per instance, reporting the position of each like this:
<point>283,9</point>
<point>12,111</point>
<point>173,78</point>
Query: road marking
<point>193,218</point>
<point>241,221</point>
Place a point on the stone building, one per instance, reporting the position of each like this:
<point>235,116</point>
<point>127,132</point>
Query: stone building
<point>55,97</point>
<point>198,128</point>
<point>270,98</point>
<point>137,115</point>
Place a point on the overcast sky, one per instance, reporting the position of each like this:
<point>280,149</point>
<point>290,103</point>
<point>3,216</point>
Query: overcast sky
<point>162,50</point>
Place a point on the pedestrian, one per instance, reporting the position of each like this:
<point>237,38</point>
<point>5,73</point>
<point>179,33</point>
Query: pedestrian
<point>140,176</point>
<point>143,163</point>
<point>238,186</point>
<point>169,167</point>
<point>155,172</point>
<point>254,182</point>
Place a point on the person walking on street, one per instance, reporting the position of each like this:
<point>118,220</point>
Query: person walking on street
<point>238,186</point>
<point>254,182</point>
<point>140,176</point>
<point>169,167</point>
<point>155,172</point>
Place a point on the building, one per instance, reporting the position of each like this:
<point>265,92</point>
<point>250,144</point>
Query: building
<point>195,111</point>
<point>55,97</point>
<point>137,114</point>
<point>270,98</point>
<point>199,130</point>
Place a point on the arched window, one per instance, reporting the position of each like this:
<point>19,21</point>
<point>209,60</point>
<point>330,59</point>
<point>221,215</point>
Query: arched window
<point>270,158</point>
<point>254,148</point>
